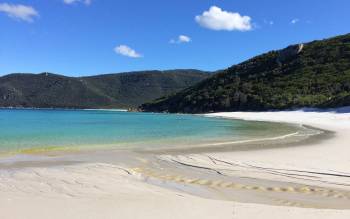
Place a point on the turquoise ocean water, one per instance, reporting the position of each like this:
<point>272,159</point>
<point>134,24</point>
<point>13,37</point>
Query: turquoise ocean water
<point>22,130</point>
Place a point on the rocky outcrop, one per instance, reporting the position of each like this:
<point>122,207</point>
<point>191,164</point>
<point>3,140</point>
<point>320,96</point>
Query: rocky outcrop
<point>289,53</point>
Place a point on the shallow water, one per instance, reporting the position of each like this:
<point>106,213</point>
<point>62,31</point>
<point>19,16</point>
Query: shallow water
<point>38,130</point>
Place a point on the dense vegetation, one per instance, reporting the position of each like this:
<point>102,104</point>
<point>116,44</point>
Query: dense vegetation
<point>124,90</point>
<point>316,74</point>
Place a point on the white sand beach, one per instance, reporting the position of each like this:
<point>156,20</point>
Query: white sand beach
<point>112,190</point>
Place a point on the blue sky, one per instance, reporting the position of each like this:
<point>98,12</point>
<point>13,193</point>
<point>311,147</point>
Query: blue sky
<point>87,37</point>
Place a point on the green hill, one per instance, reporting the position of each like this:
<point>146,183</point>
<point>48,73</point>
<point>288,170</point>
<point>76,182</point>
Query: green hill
<point>315,74</point>
<point>124,90</point>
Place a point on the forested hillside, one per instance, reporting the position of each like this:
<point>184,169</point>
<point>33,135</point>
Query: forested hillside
<point>124,90</point>
<point>315,74</point>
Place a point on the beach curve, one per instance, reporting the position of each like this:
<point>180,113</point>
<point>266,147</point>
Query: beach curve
<point>98,181</point>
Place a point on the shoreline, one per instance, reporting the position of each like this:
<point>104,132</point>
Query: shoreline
<point>289,182</point>
<point>68,109</point>
<point>296,134</point>
<point>35,155</point>
<point>277,142</point>
<point>305,165</point>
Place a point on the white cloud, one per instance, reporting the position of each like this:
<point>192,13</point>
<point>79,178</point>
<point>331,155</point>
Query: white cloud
<point>217,19</point>
<point>181,39</point>
<point>127,51</point>
<point>294,21</point>
<point>269,22</point>
<point>19,12</point>
<point>184,39</point>
<point>69,2</point>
